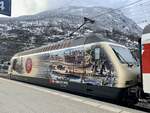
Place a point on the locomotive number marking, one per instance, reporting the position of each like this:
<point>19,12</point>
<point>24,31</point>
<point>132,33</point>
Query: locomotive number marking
<point>2,7</point>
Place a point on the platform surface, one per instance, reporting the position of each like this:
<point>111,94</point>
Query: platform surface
<point>18,97</point>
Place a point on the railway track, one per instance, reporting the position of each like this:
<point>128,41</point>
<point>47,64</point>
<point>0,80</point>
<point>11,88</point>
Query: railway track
<point>143,104</point>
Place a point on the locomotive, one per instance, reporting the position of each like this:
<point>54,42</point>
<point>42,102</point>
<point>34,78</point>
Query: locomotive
<point>90,65</point>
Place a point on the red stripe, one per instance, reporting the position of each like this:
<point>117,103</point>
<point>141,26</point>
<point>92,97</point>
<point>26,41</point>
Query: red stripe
<point>146,59</point>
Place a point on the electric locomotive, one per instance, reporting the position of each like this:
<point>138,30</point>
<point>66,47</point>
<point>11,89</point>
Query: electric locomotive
<point>91,65</point>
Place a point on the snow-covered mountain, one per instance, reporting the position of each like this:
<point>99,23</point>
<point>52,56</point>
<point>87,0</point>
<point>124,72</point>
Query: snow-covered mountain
<point>21,33</point>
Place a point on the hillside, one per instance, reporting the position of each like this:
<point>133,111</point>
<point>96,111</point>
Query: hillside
<point>21,33</point>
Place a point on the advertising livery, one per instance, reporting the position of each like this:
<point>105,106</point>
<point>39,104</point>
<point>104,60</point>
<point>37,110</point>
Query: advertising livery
<point>90,64</point>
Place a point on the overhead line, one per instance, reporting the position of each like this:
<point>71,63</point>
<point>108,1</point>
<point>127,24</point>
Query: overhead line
<point>138,5</point>
<point>122,7</point>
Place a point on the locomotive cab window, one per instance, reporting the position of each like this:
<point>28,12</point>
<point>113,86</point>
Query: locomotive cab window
<point>124,55</point>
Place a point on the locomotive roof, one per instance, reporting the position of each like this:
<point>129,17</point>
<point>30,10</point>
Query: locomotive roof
<point>146,29</point>
<point>88,39</point>
<point>67,43</point>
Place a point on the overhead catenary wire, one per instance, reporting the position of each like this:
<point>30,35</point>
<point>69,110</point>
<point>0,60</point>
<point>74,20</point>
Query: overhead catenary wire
<point>107,12</point>
<point>94,17</point>
<point>141,8</point>
<point>139,4</point>
<point>122,7</point>
<point>129,6</point>
<point>141,14</point>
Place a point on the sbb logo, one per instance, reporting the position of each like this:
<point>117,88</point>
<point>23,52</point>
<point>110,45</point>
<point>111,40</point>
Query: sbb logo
<point>28,65</point>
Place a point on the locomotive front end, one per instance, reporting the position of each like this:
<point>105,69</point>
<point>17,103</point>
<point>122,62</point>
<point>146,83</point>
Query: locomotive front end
<point>128,70</point>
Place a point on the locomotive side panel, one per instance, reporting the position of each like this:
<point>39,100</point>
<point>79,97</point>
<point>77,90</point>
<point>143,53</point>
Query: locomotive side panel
<point>87,69</point>
<point>91,68</point>
<point>85,64</point>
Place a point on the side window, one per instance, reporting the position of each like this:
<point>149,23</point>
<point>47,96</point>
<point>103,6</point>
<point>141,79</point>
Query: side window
<point>17,65</point>
<point>14,63</point>
<point>97,53</point>
<point>103,65</point>
<point>100,59</point>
